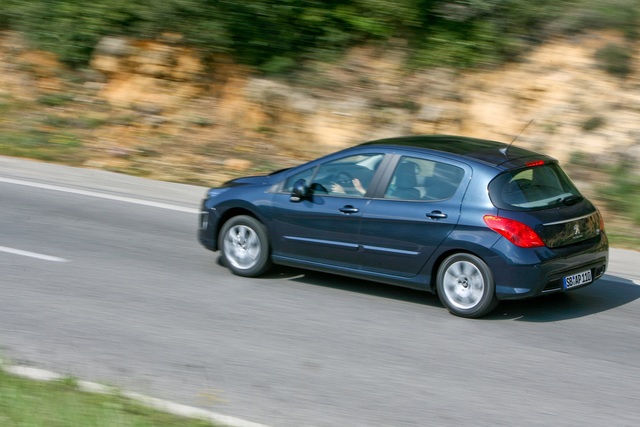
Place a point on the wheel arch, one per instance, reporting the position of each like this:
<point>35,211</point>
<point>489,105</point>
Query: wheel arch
<point>440,259</point>
<point>230,213</point>
<point>485,254</point>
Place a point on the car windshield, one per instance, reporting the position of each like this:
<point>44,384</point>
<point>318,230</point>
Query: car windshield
<point>537,187</point>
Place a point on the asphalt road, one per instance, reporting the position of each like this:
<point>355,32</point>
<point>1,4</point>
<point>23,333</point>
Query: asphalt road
<point>101,277</point>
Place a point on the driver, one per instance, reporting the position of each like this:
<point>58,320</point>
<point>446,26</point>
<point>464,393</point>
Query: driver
<point>355,182</point>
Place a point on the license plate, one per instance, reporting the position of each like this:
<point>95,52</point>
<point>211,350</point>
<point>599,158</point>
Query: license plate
<point>577,279</point>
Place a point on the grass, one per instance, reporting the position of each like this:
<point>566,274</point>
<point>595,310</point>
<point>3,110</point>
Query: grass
<point>621,240</point>
<point>616,192</point>
<point>29,132</point>
<point>43,145</point>
<point>59,403</point>
<point>622,192</point>
<point>55,99</point>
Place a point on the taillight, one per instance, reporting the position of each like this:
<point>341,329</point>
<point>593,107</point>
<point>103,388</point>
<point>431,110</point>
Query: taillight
<point>535,163</point>
<point>516,232</point>
<point>600,220</point>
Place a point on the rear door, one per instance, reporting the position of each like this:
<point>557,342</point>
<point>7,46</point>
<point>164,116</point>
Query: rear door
<point>409,217</point>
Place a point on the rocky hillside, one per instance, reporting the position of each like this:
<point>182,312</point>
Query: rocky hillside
<point>156,108</point>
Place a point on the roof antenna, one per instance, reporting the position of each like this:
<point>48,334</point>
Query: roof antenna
<point>505,149</point>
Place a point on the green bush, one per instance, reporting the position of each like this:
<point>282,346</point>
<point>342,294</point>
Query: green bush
<point>615,59</point>
<point>278,35</point>
<point>55,99</point>
<point>593,123</point>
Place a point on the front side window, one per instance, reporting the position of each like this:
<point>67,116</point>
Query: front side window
<point>306,174</point>
<point>531,188</point>
<point>348,176</point>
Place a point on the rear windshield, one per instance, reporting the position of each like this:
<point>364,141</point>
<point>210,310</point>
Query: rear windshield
<point>533,188</point>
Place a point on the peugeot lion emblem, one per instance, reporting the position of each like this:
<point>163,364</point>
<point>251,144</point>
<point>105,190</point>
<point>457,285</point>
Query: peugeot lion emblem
<point>576,230</point>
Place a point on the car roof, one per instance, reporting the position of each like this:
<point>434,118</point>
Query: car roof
<point>490,152</point>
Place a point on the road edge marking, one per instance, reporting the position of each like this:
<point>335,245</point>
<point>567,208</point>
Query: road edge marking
<point>100,195</point>
<point>36,255</point>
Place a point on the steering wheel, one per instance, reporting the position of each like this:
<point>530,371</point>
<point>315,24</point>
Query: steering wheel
<point>344,179</point>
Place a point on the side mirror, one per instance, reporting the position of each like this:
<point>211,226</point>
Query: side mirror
<point>300,191</point>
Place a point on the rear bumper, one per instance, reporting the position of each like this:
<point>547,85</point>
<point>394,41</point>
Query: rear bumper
<point>546,276</point>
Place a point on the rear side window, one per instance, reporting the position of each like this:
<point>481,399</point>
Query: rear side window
<point>532,188</point>
<point>423,179</point>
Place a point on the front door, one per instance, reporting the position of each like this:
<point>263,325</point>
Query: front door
<point>323,227</point>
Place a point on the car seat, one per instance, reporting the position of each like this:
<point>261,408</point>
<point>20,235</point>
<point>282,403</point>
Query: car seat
<point>406,182</point>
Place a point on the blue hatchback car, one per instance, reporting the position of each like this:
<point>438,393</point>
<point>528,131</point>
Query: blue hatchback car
<point>471,220</point>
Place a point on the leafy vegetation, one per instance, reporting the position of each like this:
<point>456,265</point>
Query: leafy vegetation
<point>277,35</point>
<point>55,99</point>
<point>593,123</point>
<point>615,59</point>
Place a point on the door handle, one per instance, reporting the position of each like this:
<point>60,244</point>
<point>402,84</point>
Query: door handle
<point>349,209</point>
<point>436,215</point>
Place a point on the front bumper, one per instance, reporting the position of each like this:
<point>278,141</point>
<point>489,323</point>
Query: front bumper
<point>207,229</point>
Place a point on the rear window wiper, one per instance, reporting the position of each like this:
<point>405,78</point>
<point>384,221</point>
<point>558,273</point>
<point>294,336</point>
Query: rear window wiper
<point>568,200</point>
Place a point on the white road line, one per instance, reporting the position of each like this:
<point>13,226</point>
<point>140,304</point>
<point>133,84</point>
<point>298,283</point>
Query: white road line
<point>100,195</point>
<point>31,254</point>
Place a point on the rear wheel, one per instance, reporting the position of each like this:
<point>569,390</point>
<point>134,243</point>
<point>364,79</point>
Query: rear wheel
<point>245,246</point>
<point>465,286</point>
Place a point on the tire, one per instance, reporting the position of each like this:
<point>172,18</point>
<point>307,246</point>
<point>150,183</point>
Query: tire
<point>465,286</point>
<point>244,246</point>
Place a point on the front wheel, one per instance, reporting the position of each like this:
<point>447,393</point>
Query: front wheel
<point>245,246</point>
<point>466,286</point>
